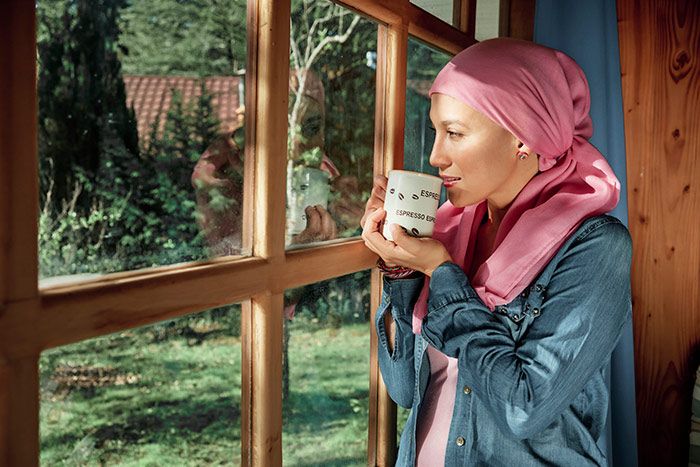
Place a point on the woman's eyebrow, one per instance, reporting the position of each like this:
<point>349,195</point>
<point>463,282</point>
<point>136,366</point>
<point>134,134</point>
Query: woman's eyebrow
<point>451,122</point>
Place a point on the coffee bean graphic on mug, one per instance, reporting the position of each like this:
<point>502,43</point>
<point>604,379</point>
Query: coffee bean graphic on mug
<point>412,201</point>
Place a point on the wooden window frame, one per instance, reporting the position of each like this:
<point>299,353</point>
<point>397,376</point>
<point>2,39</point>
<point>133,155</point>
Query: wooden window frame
<point>33,319</point>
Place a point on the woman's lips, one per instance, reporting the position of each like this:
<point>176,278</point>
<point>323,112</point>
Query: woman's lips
<point>450,181</point>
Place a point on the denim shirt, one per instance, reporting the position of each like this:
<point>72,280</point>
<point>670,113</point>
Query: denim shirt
<point>530,384</point>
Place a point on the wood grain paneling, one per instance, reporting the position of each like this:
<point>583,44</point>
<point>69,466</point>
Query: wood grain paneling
<point>520,22</point>
<point>19,378</point>
<point>19,412</point>
<point>266,380</point>
<point>464,16</point>
<point>659,51</point>
<point>19,193</point>
<point>373,423</point>
<point>435,32</point>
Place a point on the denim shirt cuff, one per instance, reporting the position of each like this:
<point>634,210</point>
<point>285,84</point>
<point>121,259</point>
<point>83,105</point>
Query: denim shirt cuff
<point>448,285</point>
<point>403,294</point>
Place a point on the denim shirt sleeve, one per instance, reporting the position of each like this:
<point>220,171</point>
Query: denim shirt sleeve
<point>397,365</point>
<point>527,383</point>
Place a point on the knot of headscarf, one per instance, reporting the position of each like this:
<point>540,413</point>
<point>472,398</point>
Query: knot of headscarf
<point>541,96</point>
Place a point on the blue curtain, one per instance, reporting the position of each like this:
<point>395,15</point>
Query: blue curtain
<point>587,31</point>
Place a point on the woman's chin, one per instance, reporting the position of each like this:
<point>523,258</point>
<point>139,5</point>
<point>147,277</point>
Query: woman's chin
<point>461,199</point>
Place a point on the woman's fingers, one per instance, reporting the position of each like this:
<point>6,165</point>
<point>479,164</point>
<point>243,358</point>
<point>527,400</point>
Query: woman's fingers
<point>329,230</point>
<point>320,226</point>
<point>373,238</point>
<point>403,240</point>
<point>313,220</point>
<point>373,221</point>
<point>376,198</point>
<point>381,181</point>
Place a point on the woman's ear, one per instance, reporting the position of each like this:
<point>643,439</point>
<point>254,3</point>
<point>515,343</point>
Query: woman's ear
<point>522,147</point>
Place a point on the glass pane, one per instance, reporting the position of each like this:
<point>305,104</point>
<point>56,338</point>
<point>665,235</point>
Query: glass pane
<point>443,9</point>
<point>326,372</point>
<point>487,19</point>
<point>167,394</point>
<point>424,63</point>
<point>140,133</point>
<point>331,121</point>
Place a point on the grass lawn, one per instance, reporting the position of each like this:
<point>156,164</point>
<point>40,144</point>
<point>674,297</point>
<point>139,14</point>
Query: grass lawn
<point>132,400</point>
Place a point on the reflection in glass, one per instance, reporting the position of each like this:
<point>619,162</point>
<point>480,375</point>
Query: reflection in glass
<point>140,133</point>
<point>424,63</point>
<point>326,372</point>
<point>167,394</point>
<point>331,121</point>
<point>443,9</point>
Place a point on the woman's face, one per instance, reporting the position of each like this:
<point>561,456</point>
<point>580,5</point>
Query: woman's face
<point>476,157</point>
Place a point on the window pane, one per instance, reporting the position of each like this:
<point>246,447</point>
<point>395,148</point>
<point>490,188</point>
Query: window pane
<point>331,121</point>
<point>167,394</point>
<point>326,372</point>
<point>443,9</point>
<point>140,133</point>
<point>487,17</point>
<point>424,63</point>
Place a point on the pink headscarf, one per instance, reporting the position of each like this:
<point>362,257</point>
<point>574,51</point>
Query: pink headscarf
<point>541,96</point>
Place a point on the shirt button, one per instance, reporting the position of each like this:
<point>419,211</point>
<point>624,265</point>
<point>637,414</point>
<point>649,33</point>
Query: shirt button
<point>538,288</point>
<point>460,441</point>
<point>467,390</point>
<point>516,318</point>
<point>535,312</point>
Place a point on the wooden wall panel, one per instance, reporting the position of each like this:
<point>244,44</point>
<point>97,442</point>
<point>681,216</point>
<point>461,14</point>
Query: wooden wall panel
<point>464,16</point>
<point>517,19</point>
<point>659,51</point>
<point>19,193</point>
<point>19,412</point>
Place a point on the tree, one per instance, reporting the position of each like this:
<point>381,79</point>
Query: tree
<point>175,37</point>
<point>315,27</point>
<point>82,101</point>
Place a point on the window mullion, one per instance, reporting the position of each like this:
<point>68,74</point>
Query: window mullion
<point>19,199</point>
<point>270,116</point>
<point>389,152</point>
<point>19,193</point>
<point>270,21</point>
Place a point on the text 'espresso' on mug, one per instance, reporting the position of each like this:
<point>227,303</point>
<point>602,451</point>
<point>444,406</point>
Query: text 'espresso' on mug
<point>411,201</point>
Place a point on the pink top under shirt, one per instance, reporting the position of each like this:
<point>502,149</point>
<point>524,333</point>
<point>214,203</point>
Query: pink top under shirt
<point>433,423</point>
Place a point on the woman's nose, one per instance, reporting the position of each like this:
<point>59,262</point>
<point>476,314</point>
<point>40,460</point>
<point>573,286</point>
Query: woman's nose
<point>438,158</point>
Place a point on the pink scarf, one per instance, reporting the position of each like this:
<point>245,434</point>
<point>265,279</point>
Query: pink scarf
<point>541,96</point>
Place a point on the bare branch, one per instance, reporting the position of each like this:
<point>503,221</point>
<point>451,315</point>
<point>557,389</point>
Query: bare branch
<point>339,39</point>
<point>313,51</point>
<point>312,31</point>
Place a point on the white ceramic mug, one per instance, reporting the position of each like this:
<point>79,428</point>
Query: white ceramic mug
<point>411,201</point>
<point>307,187</point>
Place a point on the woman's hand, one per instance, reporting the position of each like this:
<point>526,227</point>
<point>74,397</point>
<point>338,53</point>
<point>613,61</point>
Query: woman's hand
<point>376,198</point>
<point>420,254</point>
<point>320,226</point>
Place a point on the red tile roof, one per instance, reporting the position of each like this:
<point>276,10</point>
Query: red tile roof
<point>151,96</point>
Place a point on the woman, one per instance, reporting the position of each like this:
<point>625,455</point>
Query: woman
<point>505,320</point>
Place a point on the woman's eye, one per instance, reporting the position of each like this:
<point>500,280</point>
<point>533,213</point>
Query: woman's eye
<point>453,134</point>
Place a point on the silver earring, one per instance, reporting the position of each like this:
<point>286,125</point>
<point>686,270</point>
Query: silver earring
<point>522,155</point>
